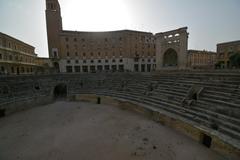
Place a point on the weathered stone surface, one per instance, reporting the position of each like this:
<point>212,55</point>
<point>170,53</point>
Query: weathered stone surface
<point>75,130</point>
<point>216,105</point>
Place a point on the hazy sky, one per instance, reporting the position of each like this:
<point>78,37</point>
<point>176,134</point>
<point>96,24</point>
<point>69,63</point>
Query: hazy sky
<point>208,21</point>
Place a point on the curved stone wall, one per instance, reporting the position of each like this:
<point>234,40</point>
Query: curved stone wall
<point>206,101</point>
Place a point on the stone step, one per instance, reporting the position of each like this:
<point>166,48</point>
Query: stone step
<point>220,109</point>
<point>215,114</point>
<point>202,118</point>
<point>160,104</point>
<point>169,92</point>
<point>215,96</point>
<point>220,102</point>
<point>164,102</point>
<point>228,125</point>
<point>231,133</point>
<point>174,88</point>
<point>221,120</point>
<point>222,89</point>
<point>201,83</point>
<point>161,97</point>
<point>176,96</point>
<point>216,92</point>
<point>233,98</point>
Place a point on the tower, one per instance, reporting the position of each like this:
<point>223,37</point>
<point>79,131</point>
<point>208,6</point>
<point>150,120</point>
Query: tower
<point>54,27</point>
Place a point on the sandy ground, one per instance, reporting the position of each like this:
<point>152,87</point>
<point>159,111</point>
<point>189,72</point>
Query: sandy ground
<point>83,131</point>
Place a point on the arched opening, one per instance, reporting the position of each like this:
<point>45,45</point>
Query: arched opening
<point>206,140</point>
<point>60,91</point>
<point>18,72</point>
<point>2,70</point>
<point>194,96</point>
<point>37,86</point>
<point>56,67</point>
<point>170,58</point>
<point>2,112</point>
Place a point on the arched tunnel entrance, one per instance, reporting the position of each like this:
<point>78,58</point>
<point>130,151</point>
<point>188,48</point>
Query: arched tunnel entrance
<point>60,91</point>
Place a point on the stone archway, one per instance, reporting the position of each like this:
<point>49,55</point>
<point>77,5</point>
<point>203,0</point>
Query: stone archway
<point>167,45</point>
<point>170,58</point>
<point>60,91</point>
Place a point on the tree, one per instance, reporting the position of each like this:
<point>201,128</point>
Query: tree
<point>235,60</point>
<point>219,64</point>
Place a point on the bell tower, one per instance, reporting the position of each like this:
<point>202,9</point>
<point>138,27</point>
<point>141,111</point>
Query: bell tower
<point>54,27</point>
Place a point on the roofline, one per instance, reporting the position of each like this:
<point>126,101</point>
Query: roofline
<point>90,32</point>
<point>194,50</point>
<point>174,30</point>
<point>237,41</point>
<point>43,58</point>
<point>17,40</point>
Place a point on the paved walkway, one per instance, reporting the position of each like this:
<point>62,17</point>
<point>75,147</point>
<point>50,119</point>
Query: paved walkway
<point>84,131</point>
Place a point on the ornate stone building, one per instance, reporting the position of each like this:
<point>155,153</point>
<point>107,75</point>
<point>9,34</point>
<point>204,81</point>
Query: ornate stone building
<point>17,57</point>
<point>201,59</point>
<point>171,50</point>
<point>225,51</point>
<point>122,50</point>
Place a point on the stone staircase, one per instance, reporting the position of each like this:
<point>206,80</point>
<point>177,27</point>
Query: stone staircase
<point>217,106</point>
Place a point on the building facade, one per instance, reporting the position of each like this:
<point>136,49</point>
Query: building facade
<point>225,51</point>
<point>171,49</point>
<point>17,57</point>
<point>201,59</point>
<point>123,50</point>
<point>97,51</point>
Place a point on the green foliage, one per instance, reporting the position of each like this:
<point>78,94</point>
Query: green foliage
<point>235,60</point>
<point>219,64</point>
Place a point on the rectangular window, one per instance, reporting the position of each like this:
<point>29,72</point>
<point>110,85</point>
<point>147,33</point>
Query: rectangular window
<point>99,68</point>
<point>51,6</point>
<point>92,68</point>
<point>13,70</point>
<point>136,59</point>
<point>121,68</point>
<point>114,68</point>
<point>106,67</point>
<point>55,54</point>
<point>143,68</point>
<point>69,69</point>
<point>85,68</point>
<point>136,68</point>
<point>149,67</point>
<point>77,69</point>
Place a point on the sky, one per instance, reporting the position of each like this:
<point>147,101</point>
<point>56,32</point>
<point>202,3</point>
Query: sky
<point>209,21</point>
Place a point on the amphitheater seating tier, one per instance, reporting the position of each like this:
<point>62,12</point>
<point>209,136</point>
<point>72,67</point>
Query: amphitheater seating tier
<point>216,107</point>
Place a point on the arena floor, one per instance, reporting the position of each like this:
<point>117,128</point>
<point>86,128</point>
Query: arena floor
<point>84,131</point>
